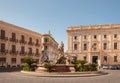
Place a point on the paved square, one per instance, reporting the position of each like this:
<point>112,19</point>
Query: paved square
<point>18,77</point>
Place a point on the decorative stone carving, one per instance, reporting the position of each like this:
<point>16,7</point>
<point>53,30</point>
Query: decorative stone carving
<point>61,59</point>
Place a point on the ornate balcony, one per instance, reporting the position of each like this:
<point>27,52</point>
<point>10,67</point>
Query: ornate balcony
<point>37,54</point>
<point>30,43</point>
<point>13,40</point>
<point>3,38</point>
<point>37,44</point>
<point>3,51</point>
<point>23,53</point>
<point>30,53</point>
<point>22,41</point>
<point>13,52</point>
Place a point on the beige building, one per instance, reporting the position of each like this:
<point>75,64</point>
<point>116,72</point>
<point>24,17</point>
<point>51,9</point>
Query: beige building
<point>50,47</point>
<point>96,44</point>
<point>17,43</point>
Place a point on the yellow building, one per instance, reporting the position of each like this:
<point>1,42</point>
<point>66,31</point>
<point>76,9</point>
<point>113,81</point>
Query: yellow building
<point>17,43</point>
<point>96,44</point>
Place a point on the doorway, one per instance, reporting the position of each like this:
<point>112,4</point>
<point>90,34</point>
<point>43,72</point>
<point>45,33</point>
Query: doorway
<point>94,59</point>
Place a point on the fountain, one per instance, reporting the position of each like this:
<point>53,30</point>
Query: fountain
<point>61,62</point>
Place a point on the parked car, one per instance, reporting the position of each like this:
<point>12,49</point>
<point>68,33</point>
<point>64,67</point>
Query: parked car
<point>105,66</point>
<point>114,67</point>
<point>118,66</point>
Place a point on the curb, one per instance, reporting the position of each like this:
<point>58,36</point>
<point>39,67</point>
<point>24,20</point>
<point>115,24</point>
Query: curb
<point>65,74</point>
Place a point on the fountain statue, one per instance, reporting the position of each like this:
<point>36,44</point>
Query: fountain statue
<point>62,63</point>
<point>44,58</point>
<point>61,59</point>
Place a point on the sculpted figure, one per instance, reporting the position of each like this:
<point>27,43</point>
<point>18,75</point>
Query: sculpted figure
<point>61,59</point>
<point>61,49</point>
<point>44,58</point>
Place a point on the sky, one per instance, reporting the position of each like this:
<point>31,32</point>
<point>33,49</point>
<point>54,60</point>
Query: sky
<point>57,15</point>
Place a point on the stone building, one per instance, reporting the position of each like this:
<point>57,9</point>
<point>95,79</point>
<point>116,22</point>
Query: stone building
<point>17,43</point>
<point>96,44</point>
<point>50,47</point>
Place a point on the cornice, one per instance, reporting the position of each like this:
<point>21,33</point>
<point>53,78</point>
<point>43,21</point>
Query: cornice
<point>93,27</point>
<point>5,24</point>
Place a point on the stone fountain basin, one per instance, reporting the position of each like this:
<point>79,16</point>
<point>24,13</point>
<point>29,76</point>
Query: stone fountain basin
<point>64,68</point>
<point>58,68</point>
<point>65,74</point>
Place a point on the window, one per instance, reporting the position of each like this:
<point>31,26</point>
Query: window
<point>30,40</point>
<point>2,34</point>
<point>46,47</point>
<point>105,46</point>
<point>22,60</point>
<point>13,36</point>
<point>95,37</point>
<point>30,50</point>
<point>13,60</point>
<point>85,58</point>
<point>13,48</point>
<point>85,47</point>
<point>37,51</point>
<point>22,38</point>
<point>84,37</point>
<point>115,58</point>
<point>105,58</point>
<point>105,36</point>
<point>2,60</point>
<point>75,37</point>
<point>115,46</point>
<point>22,49</point>
<point>37,41</point>
<point>75,46</point>
<point>2,47</point>
<point>115,35</point>
<point>46,40</point>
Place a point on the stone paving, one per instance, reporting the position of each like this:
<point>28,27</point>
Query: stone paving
<point>18,77</point>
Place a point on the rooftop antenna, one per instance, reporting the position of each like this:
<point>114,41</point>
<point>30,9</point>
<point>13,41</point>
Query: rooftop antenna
<point>49,32</point>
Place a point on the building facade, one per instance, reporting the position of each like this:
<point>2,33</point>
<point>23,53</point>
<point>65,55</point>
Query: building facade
<point>50,47</point>
<point>16,43</point>
<point>96,44</point>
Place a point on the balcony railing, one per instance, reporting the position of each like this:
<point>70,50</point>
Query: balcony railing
<point>13,52</point>
<point>30,53</point>
<point>95,50</point>
<point>3,38</point>
<point>37,44</point>
<point>37,54</point>
<point>23,53</point>
<point>22,41</point>
<point>30,43</point>
<point>3,51</point>
<point>13,40</point>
